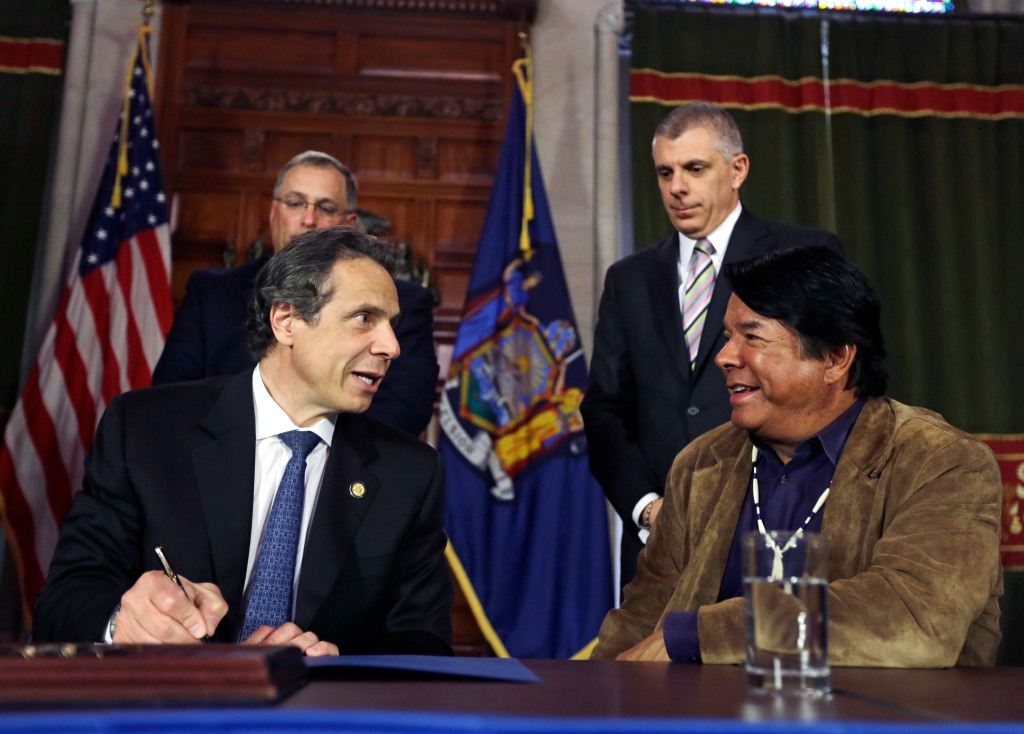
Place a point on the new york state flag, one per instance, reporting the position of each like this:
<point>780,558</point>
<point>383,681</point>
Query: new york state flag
<point>527,522</point>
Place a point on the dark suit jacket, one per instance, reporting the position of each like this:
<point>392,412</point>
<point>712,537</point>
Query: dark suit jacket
<point>174,466</point>
<point>644,404</point>
<point>208,339</point>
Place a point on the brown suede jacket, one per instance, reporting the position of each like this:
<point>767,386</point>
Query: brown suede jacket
<point>912,524</point>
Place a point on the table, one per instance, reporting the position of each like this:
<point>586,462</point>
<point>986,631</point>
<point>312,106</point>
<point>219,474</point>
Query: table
<point>599,697</point>
<point>605,689</point>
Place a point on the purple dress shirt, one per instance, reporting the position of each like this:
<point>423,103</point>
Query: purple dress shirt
<point>788,493</point>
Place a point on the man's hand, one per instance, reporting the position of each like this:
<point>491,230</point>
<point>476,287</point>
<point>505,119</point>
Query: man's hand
<point>290,634</point>
<point>655,509</point>
<point>653,648</point>
<point>156,610</point>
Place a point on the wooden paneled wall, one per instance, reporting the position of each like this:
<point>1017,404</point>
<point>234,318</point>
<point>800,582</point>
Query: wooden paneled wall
<point>410,94</point>
<point>414,103</point>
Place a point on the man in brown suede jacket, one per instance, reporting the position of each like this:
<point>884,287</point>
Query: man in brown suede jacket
<point>912,513</point>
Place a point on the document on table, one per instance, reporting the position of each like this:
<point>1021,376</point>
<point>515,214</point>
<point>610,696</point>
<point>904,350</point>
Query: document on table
<point>509,670</point>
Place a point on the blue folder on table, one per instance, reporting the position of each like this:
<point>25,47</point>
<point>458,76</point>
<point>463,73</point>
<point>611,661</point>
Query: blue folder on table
<point>508,670</point>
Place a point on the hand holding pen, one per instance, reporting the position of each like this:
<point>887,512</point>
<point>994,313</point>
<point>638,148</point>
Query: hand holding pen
<point>169,572</point>
<point>287,634</point>
<point>152,611</point>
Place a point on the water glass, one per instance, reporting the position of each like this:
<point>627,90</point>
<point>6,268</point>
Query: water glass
<point>785,580</point>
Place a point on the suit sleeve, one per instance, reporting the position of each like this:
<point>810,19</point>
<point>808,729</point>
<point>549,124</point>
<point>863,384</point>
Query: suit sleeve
<point>97,554</point>
<point>832,242</point>
<point>182,357</point>
<point>419,622</point>
<point>648,596</point>
<point>406,396</point>
<point>785,235</point>
<point>609,412</point>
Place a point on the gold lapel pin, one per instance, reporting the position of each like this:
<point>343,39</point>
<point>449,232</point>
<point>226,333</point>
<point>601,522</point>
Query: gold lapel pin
<point>357,489</point>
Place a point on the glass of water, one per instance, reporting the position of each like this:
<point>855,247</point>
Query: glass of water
<point>785,579</point>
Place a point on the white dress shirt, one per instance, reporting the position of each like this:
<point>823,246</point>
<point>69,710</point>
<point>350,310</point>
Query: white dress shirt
<point>719,240</point>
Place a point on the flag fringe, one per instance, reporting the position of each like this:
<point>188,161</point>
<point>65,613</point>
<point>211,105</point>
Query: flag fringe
<point>474,602</point>
<point>459,572</point>
<point>122,155</point>
<point>523,71</point>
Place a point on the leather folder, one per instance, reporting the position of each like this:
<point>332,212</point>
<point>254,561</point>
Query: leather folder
<point>86,674</point>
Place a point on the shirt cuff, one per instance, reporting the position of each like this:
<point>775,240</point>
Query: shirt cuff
<point>108,631</point>
<point>638,508</point>
<point>681,641</point>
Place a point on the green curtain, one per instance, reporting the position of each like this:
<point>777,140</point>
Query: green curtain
<point>927,201</point>
<point>32,38</point>
<point>911,152</point>
<point>787,178</point>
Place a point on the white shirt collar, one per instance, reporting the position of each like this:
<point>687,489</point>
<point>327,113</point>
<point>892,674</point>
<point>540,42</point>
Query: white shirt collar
<point>271,420</point>
<point>719,239</point>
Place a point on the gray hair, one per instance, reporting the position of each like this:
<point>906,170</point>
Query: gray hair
<point>728,140</point>
<point>316,159</point>
<point>300,275</point>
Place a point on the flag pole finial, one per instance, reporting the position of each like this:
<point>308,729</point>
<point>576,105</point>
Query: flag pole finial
<point>148,8</point>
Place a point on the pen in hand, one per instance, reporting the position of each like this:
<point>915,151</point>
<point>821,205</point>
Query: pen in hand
<point>169,572</point>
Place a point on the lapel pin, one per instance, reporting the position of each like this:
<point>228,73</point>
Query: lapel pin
<point>357,489</point>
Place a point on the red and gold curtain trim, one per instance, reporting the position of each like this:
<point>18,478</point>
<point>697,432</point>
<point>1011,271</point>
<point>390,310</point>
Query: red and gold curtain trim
<point>921,99</point>
<point>1009,451</point>
<point>31,55</point>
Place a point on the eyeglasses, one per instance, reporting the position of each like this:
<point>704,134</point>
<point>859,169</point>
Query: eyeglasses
<point>326,208</point>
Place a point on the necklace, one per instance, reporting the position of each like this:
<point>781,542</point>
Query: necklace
<point>777,562</point>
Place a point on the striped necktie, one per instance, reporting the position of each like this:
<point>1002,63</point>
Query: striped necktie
<point>700,281</point>
<point>270,600</point>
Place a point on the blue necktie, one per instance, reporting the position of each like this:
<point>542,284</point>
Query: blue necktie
<point>270,600</point>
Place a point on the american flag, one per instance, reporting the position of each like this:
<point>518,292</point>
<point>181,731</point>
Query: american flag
<point>106,336</point>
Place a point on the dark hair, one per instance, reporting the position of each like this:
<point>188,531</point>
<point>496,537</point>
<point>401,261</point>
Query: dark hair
<point>316,159</point>
<point>300,275</point>
<point>728,140</point>
<point>825,299</point>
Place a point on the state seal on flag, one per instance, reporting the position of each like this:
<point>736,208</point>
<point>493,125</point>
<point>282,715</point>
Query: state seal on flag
<point>509,387</point>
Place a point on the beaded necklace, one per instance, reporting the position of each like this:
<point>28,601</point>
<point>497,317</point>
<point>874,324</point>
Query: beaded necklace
<point>777,562</point>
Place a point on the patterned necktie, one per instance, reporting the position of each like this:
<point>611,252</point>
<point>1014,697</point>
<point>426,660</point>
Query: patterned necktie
<point>270,600</point>
<point>700,281</point>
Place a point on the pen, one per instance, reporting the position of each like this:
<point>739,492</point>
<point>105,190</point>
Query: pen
<point>169,572</point>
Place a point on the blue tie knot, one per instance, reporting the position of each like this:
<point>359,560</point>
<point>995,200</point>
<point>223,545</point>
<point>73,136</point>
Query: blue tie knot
<point>300,442</point>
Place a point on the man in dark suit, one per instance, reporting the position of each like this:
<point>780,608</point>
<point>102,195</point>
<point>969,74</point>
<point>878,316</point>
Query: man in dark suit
<point>649,396</point>
<point>199,468</point>
<point>313,190</point>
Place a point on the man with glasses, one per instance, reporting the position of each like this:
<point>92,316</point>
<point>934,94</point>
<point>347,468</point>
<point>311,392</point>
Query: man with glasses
<point>313,191</point>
